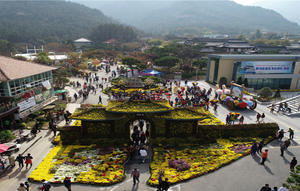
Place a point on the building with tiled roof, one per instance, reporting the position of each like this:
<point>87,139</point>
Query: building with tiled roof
<point>262,48</point>
<point>25,87</point>
<point>82,42</point>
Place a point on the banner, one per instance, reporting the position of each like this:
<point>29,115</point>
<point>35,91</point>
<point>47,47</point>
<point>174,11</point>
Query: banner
<point>236,90</point>
<point>46,94</point>
<point>39,98</point>
<point>267,67</point>
<point>30,102</point>
<point>47,84</point>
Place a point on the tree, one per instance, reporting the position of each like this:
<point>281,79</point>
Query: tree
<point>293,181</point>
<point>133,63</point>
<point>20,58</point>
<point>223,81</point>
<point>200,63</point>
<point>43,58</point>
<point>258,34</point>
<point>83,66</point>
<point>60,77</point>
<point>277,93</point>
<point>246,83</point>
<point>265,92</point>
<point>167,62</point>
<point>240,81</point>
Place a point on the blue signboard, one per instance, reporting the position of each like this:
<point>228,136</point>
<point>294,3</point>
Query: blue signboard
<point>266,67</point>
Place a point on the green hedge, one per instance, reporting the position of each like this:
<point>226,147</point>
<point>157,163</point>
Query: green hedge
<point>228,131</point>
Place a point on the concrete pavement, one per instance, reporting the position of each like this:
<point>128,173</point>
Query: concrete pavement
<point>244,174</point>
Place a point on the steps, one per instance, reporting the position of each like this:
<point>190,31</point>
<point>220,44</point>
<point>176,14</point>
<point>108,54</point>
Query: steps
<point>293,104</point>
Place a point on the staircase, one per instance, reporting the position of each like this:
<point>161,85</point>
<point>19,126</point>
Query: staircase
<point>293,104</point>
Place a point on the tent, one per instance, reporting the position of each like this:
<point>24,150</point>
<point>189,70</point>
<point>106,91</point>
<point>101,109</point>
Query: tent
<point>3,148</point>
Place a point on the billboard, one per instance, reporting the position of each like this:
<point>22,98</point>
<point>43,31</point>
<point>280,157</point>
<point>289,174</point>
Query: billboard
<point>266,67</point>
<point>236,90</point>
<point>30,102</point>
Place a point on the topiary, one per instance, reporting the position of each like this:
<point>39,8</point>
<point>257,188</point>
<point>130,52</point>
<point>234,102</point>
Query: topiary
<point>41,119</point>
<point>277,94</point>
<point>223,81</point>
<point>33,115</point>
<point>265,92</point>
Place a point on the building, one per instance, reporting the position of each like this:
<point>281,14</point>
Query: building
<point>263,48</point>
<point>82,42</point>
<point>261,70</point>
<point>25,87</point>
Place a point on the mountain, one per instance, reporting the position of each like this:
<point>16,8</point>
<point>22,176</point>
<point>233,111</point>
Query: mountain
<point>32,21</point>
<point>288,9</point>
<point>179,16</point>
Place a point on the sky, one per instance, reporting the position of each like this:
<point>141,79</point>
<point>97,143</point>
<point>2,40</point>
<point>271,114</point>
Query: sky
<point>246,2</point>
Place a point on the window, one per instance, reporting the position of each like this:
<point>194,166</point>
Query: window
<point>216,71</point>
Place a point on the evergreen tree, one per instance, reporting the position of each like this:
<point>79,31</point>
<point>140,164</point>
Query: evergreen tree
<point>277,94</point>
<point>239,81</point>
<point>246,83</point>
<point>265,92</point>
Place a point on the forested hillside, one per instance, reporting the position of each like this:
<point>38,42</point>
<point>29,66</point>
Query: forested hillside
<point>180,16</point>
<point>41,21</point>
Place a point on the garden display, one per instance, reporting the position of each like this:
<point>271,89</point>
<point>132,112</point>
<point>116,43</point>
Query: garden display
<point>184,163</point>
<point>83,164</point>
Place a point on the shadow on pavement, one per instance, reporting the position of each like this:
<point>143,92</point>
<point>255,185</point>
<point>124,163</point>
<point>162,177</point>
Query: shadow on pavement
<point>285,160</point>
<point>268,170</point>
<point>135,187</point>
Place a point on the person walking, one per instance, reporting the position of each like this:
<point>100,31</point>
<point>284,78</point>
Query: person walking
<point>263,117</point>
<point>20,160</point>
<point>275,188</point>
<point>265,188</point>
<point>258,117</point>
<point>75,96</point>
<point>165,185</point>
<point>287,143</point>
<point>282,148</point>
<point>241,120</point>
<point>253,149</point>
<point>264,157</point>
<point>54,127</point>
<point>27,186</point>
<point>67,183</point>
<point>22,187</point>
<point>28,160</point>
<point>291,131</point>
<point>283,188</point>
<point>260,146</point>
<point>160,180</point>
<point>135,174</point>
<point>143,153</point>
<point>293,163</point>
<point>232,119</point>
<point>11,161</point>
<point>100,99</point>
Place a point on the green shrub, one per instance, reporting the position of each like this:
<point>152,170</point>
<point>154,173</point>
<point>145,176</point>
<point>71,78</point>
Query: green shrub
<point>223,81</point>
<point>42,113</point>
<point>33,115</point>
<point>41,119</point>
<point>186,75</point>
<point>6,135</point>
<point>38,112</point>
<point>265,92</point>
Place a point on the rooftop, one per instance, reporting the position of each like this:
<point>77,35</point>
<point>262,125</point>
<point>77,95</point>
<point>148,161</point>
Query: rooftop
<point>255,56</point>
<point>83,40</point>
<point>11,69</point>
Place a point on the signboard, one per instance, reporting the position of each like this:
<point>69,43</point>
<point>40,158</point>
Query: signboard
<point>39,98</point>
<point>140,114</point>
<point>46,94</point>
<point>236,90</point>
<point>267,67</point>
<point>30,102</point>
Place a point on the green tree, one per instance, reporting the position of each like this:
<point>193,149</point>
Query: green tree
<point>293,182</point>
<point>240,81</point>
<point>246,83</point>
<point>60,77</point>
<point>133,63</point>
<point>223,81</point>
<point>6,47</point>
<point>200,63</point>
<point>277,93</point>
<point>167,62</point>
<point>43,58</point>
<point>265,92</point>
<point>20,58</point>
<point>155,42</point>
<point>258,34</point>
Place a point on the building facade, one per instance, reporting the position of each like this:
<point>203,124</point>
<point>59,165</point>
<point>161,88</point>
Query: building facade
<point>268,70</point>
<point>24,86</point>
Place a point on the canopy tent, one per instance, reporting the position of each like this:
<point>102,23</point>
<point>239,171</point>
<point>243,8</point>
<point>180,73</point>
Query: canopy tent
<point>3,148</point>
<point>150,72</point>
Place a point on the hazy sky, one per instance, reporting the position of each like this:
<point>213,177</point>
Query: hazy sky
<point>246,2</point>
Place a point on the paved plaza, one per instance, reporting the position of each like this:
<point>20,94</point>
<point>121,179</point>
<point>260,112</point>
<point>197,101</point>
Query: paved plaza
<point>244,174</point>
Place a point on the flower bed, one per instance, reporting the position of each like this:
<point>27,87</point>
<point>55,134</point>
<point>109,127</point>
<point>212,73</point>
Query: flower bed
<point>83,164</point>
<point>181,164</point>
